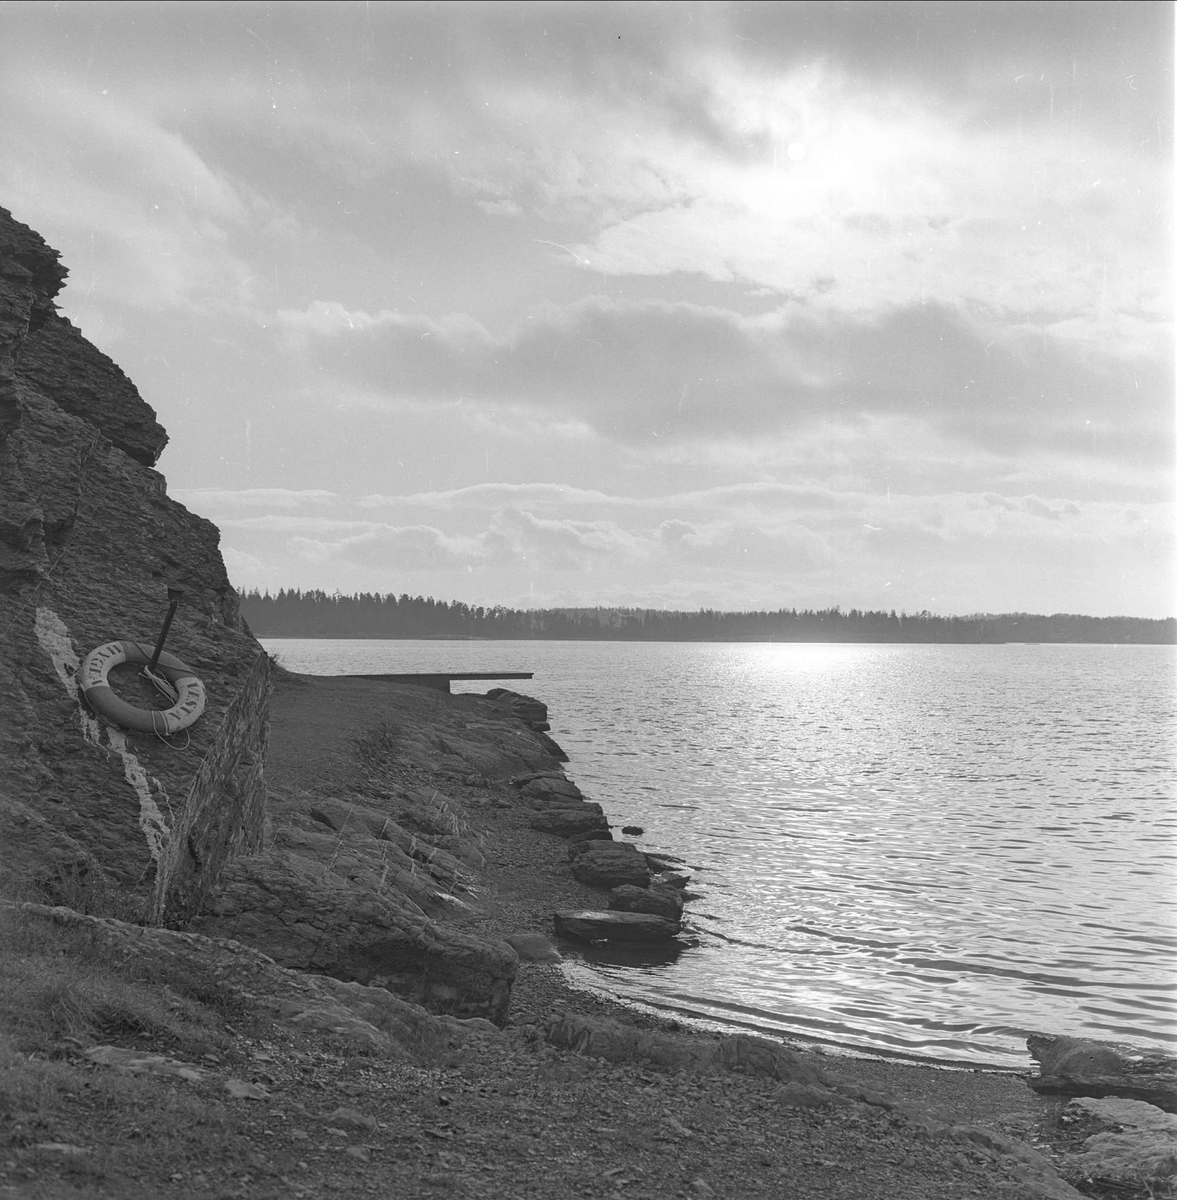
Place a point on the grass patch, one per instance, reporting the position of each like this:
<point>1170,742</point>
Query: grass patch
<point>61,992</point>
<point>86,889</point>
<point>59,988</point>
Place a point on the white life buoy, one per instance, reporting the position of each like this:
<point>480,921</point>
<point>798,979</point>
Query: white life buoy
<point>100,695</point>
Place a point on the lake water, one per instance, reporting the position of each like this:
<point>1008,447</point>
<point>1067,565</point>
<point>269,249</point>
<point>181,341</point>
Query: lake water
<point>917,850</point>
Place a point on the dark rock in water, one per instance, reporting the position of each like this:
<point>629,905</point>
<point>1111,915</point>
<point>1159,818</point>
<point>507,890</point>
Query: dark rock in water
<point>673,879</point>
<point>567,822</point>
<point>663,862</point>
<point>89,544</point>
<point>533,947</point>
<point>1082,1067</point>
<point>661,901</point>
<point>614,926</point>
<point>632,830</point>
<point>610,864</point>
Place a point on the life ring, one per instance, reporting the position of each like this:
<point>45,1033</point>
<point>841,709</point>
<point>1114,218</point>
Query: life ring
<point>99,695</point>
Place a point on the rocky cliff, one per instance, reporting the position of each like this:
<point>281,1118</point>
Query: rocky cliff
<point>354,878</point>
<point>89,545</point>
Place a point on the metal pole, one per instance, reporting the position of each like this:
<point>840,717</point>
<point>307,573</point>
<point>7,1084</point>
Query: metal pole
<point>175,595</point>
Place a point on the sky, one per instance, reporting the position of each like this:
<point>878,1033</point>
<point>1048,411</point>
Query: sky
<point>738,306</point>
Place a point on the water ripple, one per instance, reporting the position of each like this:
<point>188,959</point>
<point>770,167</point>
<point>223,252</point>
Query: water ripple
<point>927,850</point>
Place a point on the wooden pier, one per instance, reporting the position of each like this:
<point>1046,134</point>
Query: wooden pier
<point>440,681</point>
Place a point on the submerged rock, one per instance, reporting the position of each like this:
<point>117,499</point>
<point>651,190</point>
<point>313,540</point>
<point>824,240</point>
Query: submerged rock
<point>614,926</point>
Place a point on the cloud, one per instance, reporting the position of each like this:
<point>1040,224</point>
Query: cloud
<point>488,495</point>
<point>639,371</point>
<point>207,500</point>
<point>416,547</point>
<point>152,221</point>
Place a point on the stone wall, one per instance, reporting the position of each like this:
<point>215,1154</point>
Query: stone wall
<point>89,544</point>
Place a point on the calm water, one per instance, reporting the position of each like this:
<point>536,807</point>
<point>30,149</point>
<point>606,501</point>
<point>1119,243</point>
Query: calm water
<point>924,850</point>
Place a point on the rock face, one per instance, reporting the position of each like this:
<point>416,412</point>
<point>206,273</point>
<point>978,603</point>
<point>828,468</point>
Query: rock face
<point>89,544</point>
<point>1080,1067</point>
<point>614,926</point>
<point>610,864</point>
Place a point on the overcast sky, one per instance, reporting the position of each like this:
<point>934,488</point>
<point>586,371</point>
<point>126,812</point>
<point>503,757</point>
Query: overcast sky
<point>678,305</point>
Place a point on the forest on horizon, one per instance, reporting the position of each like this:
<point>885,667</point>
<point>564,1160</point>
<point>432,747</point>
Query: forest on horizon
<point>314,613</point>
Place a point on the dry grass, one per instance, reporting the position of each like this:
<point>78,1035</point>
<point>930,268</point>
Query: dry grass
<point>57,989</point>
<point>59,995</point>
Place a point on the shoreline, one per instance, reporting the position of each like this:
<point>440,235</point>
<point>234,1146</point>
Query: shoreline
<point>549,886</point>
<point>256,1060</point>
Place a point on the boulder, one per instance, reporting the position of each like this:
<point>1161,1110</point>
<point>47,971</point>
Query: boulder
<point>91,814</point>
<point>569,822</point>
<point>610,864</point>
<point>661,901</point>
<point>586,926</point>
<point>1081,1067</point>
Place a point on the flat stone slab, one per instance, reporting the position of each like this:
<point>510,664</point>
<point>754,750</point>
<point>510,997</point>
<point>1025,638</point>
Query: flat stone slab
<point>587,926</point>
<point>661,901</point>
<point>570,821</point>
<point>610,864</point>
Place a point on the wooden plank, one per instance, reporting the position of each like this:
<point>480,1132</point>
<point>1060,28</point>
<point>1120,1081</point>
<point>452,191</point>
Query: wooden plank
<point>440,681</point>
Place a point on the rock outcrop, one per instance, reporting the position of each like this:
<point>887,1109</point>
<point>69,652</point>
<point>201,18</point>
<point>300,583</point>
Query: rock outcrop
<point>1081,1067</point>
<point>89,544</point>
<point>1129,1147</point>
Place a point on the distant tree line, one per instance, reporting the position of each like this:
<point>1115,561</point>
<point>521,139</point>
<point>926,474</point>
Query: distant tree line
<point>294,613</point>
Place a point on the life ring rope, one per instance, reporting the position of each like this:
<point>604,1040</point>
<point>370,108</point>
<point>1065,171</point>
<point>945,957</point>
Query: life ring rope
<point>188,691</point>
